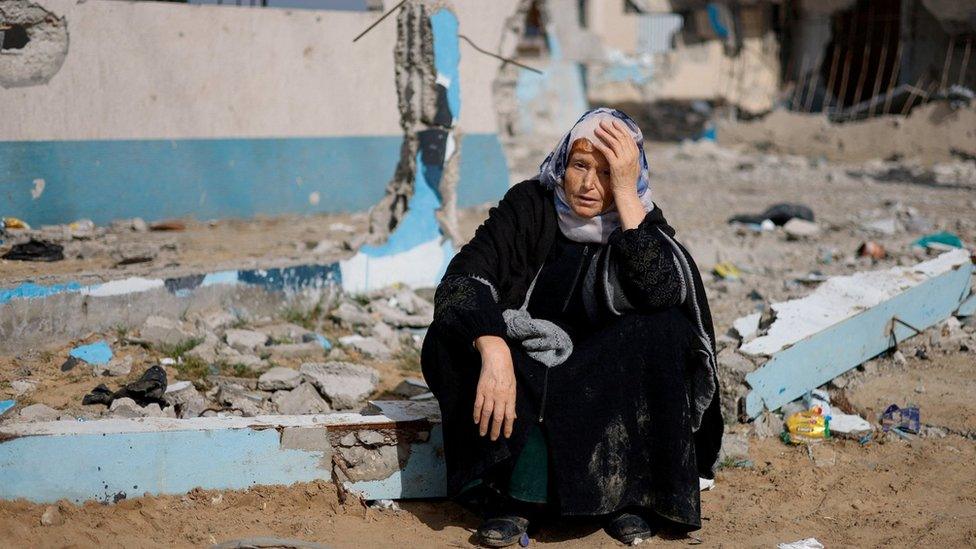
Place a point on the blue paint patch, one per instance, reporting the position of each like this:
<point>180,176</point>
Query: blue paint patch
<point>325,343</point>
<point>627,72</point>
<point>220,178</point>
<point>419,224</point>
<point>715,20</point>
<point>222,277</point>
<point>6,405</point>
<point>29,290</point>
<point>94,353</point>
<point>293,278</point>
<point>447,55</point>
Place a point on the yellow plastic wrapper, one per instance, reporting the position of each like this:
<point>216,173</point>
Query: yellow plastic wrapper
<point>809,426</point>
<point>14,223</point>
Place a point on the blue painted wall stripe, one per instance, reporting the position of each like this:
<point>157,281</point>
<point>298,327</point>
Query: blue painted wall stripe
<point>218,178</point>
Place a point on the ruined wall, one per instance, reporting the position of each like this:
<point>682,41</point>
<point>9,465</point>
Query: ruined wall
<point>163,110</point>
<point>931,133</point>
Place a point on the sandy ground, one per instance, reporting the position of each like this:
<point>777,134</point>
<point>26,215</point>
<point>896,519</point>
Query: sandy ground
<point>888,493</point>
<point>896,494</point>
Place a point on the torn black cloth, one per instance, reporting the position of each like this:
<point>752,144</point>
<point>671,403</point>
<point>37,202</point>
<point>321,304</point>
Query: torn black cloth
<point>35,250</point>
<point>632,417</point>
<point>779,214</point>
<point>149,388</point>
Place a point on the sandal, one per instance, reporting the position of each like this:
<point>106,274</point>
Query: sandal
<point>627,528</point>
<point>503,531</point>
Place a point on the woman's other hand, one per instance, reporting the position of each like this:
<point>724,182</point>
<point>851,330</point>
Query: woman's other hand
<point>621,152</point>
<point>494,402</point>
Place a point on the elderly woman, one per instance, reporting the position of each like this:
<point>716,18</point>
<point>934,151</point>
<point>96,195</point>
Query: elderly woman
<point>572,349</point>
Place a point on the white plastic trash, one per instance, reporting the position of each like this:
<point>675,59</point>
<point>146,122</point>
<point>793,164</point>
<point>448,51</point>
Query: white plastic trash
<point>809,543</point>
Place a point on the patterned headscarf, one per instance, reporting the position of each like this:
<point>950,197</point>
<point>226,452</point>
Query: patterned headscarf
<point>552,170</point>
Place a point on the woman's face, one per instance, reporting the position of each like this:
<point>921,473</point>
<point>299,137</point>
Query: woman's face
<point>587,182</point>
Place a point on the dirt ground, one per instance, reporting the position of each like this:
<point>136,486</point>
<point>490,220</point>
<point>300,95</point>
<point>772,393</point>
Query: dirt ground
<point>890,492</point>
<point>896,494</point>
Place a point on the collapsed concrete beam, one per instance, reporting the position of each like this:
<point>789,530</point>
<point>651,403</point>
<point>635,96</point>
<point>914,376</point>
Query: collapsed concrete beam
<point>847,321</point>
<point>395,454</point>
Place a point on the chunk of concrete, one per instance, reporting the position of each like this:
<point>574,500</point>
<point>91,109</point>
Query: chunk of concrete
<point>799,229</point>
<point>206,351</point>
<point>215,319</point>
<point>279,378</point>
<point>184,396</point>
<point>747,326</point>
<point>23,386</point>
<point>351,315</point>
<point>245,340</point>
<point>400,319</point>
<point>158,331</point>
<point>283,332</point>
<point>309,350</point>
<point>411,387</point>
<point>51,516</point>
<point>39,412</point>
<point>304,399</point>
<point>369,346</point>
<point>411,303</point>
<point>126,408</point>
<point>386,335</point>
<point>346,385</point>
<point>118,366</point>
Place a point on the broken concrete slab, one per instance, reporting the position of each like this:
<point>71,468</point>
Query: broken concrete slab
<point>369,346</point>
<point>283,332</point>
<point>279,378</point>
<point>222,453</point>
<point>309,350</point>
<point>352,315</point>
<point>185,398</point>
<point>304,399</point>
<point>345,384</point>
<point>245,340</point>
<point>747,326</point>
<point>411,387</point>
<point>38,412</point>
<point>159,331</point>
<point>848,320</point>
<point>117,367</point>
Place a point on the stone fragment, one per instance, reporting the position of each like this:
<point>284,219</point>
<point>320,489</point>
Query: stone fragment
<point>207,351</point>
<point>182,395</point>
<point>371,438</point>
<point>346,385</point>
<point>411,387</point>
<point>370,463</point>
<point>22,386</point>
<point>39,412</point>
<point>386,335</point>
<point>283,332</point>
<point>232,357</point>
<point>408,301</point>
<point>134,252</point>
<point>213,320</point>
<point>302,400</point>
<point>154,410</point>
<point>279,378</point>
<point>245,340</point>
<point>747,326</point>
<point>126,408</point>
<point>369,346</point>
<point>348,440</point>
<point>117,367</point>
<point>735,446</point>
<point>351,315</point>
<point>310,350</point>
<point>237,398</point>
<point>798,229</point>
<point>159,331</point>
<point>51,516</point>
<point>400,319</point>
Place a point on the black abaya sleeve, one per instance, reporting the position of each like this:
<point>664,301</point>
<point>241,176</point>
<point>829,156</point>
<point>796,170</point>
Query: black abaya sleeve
<point>643,264</point>
<point>469,300</point>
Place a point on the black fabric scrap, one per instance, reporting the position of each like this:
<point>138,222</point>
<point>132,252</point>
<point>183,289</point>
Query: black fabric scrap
<point>35,250</point>
<point>778,214</point>
<point>149,388</point>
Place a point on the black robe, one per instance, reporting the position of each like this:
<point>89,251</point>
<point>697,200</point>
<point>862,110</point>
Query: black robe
<point>632,417</point>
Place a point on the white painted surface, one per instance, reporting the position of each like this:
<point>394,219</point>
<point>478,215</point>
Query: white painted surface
<point>145,70</point>
<point>842,297</point>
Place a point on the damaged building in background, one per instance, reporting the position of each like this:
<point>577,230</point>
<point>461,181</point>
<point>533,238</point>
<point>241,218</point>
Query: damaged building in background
<point>693,69</point>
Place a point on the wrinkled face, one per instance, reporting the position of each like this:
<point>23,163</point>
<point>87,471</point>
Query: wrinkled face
<point>587,180</point>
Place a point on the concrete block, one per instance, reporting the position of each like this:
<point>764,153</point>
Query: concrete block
<point>302,400</point>
<point>245,340</point>
<point>345,384</point>
<point>279,378</point>
<point>369,346</point>
<point>38,412</point>
<point>159,331</point>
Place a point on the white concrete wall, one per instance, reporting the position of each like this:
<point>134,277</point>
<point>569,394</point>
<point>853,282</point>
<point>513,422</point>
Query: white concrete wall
<point>143,70</point>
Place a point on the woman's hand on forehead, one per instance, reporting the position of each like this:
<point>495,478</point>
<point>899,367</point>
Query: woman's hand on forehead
<point>618,146</point>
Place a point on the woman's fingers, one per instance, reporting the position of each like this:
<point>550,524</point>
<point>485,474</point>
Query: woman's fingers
<point>479,402</point>
<point>509,418</point>
<point>609,139</point>
<point>498,419</point>
<point>623,136</point>
<point>486,412</point>
<point>605,149</point>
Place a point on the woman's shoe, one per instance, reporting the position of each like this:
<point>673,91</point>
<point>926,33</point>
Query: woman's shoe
<point>628,527</point>
<point>503,531</point>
